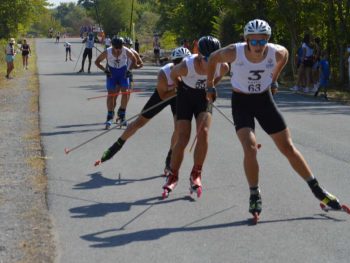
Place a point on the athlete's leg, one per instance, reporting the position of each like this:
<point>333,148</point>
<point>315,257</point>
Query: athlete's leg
<point>133,127</point>
<point>203,122</point>
<point>90,58</point>
<point>184,131</point>
<point>250,163</point>
<point>24,61</point>
<point>284,143</point>
<point>83,61</point>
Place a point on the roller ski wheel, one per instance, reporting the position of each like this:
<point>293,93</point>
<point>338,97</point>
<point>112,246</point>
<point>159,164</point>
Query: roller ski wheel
<point>108,124</point>
<point>196,189</point>
<point>196,183</point>
<point>255,218</point>
<point>170,185</point>
<point>343,208</point>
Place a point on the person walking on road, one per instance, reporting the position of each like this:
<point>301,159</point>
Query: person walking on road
<point>192,101</point>
<point>255,68</point>
<point>117,58</point>
<point>68,47</point>
<point>10,52</point>
<point>25,48</point>
<point>89,45</point>
<point>166,88</point>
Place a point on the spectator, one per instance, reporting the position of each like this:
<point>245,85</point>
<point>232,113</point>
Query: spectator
<point>25,48</point>
<point>316,65</point>
<point>58,35</point>
<point>156,49</point>
<point>195,46</point>
<point>306,65</point>
<point>108,42</point>
<point>324,74</point>
<point>10,56</point>
<point>137,46</point>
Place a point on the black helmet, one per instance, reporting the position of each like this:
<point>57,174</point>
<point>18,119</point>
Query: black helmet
<point>117,42</point>
<point>207,45</point>
<point>128,41</point>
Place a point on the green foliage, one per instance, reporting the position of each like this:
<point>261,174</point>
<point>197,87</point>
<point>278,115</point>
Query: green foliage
<point>16,16</point>
<point>168,40</point>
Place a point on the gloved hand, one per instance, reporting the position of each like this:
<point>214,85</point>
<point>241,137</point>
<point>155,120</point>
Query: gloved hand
<point>108,73</point>
<point>128,74</point>
<point>274,87</point>
<point>211,94</point>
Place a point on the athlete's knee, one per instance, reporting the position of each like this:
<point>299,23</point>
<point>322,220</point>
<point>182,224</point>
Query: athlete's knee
<point>250,150</point>
<point>183,139</point>
<point>288,149</point>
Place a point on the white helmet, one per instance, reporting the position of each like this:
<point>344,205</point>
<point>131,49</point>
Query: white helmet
<point>180,52</point>
<point>257,26</point>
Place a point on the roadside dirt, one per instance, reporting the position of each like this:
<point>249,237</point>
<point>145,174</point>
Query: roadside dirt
<point>25,225</point>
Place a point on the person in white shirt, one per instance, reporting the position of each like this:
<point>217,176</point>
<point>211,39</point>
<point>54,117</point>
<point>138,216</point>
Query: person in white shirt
<point>255,68</point>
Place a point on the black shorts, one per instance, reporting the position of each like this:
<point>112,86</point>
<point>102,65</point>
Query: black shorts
<point>190,102</point>
<point>155,99</point>
<point>25,53</point>
<point>87,52</point>
<point>68,49</point>
<point>156,51</point>
<point>246,107</point>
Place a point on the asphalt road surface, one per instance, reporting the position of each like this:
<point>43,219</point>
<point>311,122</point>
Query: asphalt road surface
<point>114,212</point>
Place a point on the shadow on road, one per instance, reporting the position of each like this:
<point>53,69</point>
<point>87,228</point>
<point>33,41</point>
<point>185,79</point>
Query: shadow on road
<point>117,238</point>
<point>98,181</point>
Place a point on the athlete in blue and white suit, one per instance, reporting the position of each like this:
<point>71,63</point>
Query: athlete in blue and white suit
<point>117,58</point>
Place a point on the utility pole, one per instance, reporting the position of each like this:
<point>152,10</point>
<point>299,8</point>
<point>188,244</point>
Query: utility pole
<point>132,11</point>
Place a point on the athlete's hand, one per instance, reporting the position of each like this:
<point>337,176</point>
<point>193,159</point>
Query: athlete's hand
<point>128,74</point>
<point>108,73</point>
<point>274,87</point>
<point>211,94</point>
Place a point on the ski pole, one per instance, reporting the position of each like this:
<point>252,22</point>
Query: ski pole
<point>81,50</point>
<point>113,94</point>
<point>227,118</point>
<point>199,130</point>
<point>66,150</point>
<point>223,114</point>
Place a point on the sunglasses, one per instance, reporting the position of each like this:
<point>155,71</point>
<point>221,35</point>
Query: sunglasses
<point>255,42</point>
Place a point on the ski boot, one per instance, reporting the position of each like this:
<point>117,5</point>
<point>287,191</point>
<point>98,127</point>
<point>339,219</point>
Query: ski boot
<point>111,151</point>
<point>121,118</point>
<point>170,184</point>
<point>255,206</point>
<point>110,116</point>
<point>195,181</point>
<point>326,198</point>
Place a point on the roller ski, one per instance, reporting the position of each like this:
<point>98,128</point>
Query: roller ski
<point>329,202</point>
<point>255,207</point>
<point>170,184</point>
<point>196,182</point>
<point>120,120</point>
<point>109,121</point>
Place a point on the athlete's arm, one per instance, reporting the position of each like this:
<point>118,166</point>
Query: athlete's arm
<point>178,71</point>
<point>226,54</point>
<point>132,57</point>
<point>281,59</point>
<point>99,59</point>
<point>163,89</point>
<point>223,70</point>
<point>138,58</point>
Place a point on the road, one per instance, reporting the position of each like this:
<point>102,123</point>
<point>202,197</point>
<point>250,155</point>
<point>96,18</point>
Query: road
<point>114,212</point>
